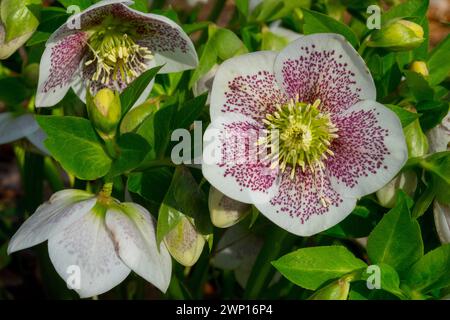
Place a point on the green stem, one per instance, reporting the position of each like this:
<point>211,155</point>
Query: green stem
<point>276,244</point>
<point>112,148</point>
<point>155,164</point>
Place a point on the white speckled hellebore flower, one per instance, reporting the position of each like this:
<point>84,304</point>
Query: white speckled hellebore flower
<point>105,239</point>
<point>298,133</point>
<point>113,46</point>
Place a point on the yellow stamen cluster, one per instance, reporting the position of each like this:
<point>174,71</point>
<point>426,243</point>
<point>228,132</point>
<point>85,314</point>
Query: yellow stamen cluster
<point>116,53</point>
<point>299,135</point>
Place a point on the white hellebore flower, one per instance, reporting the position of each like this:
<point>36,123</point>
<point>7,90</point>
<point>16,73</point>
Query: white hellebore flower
<point>99,236</point>
<point>113,45</point>
<point>298,133</point>
<point>13,128</point>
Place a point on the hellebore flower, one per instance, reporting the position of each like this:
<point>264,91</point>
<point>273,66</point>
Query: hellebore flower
<point>113,45</point>
<point>299,134</point>
<point>101,237</point>
<point>14,128</point>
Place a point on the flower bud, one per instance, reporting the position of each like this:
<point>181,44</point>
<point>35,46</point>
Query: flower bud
<point>225,212</point>
<point>442,221</point>
<point>416,140</point>
<point>104,111</point>
<point>419,67</point>
<point>337,290</point>
<point>17,25</point>
<point>397,35</point>
<point>439,136</point>
<point>185,243</point>
<point>407,181</point>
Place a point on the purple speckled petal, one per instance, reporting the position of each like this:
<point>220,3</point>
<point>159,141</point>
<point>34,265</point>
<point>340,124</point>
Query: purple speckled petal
<point>87,245</point>
<point>231,162</point>
<point>133,229</point>
<point>170,45</point>
<point>297,207</point>
<point>325,67</point>
<point>369,151</point>
<point>245,86</point>
<point>92,16</point>
<point>59,63</point>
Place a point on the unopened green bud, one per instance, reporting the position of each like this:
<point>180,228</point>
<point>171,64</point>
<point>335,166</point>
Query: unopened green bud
<point>104,111</point>
<point>337,290</point>
<point>407,181</point>
<point>419,67</point>
<point>397,35</point>
<point>185,243</point>
<point>226,212</point>
<point>416,140</point>
<point>17,25</point>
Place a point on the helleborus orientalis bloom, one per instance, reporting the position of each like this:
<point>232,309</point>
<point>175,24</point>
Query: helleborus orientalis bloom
<point>113,46</point>
<point>101,237</point>
<point>15,127</point>
<point>298,133</point>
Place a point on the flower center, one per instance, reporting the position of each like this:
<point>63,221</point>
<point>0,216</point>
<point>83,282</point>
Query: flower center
<point>115,53</point>
<point>300,136</point>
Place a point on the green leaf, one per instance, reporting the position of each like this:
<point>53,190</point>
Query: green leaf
<point>269,10</point>
<point>439,164</point>
<point>431,272</point>
<point>13,91</point>
<point>410,8</point>
<point>190,111</point>
<point>439,63</point>
<point>432,113</point>
<point>132,151</point>
<point>419,86</point>
<point>396,240</point>
<point>390,281</point>
<point>319,23</point>
<point>132,93</point>
<point>38,37</point>
<point>184,198</point>
<point>405,116</point>
<point>312,267</point>
<point>151,184</point>
<point>17,18</point>
<point>222,44</point>
<point>74,143</point>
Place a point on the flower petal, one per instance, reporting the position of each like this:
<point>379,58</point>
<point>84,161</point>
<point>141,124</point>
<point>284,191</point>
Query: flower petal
<point>63,208</point>
<point>442,221</point>
<point>246,86</point>
<point>325,67</point>
<point>14,128</point>
<point>86,245</point>
<point>170,45</point>
<point>298,208</point>
<point>369,151</point>
<point>59,62</point>
<point>37,138</point>
<point>133,231</point>
<point>231,162</point>
<point>92,16</point>
<point>224,211</point>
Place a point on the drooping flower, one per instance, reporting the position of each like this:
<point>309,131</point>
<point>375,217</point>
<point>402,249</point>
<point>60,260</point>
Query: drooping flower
<point>98,236</point>
<point>224,211</point>
<point>113,45</point>
<point>15,127</point>
<point>299,134</point>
